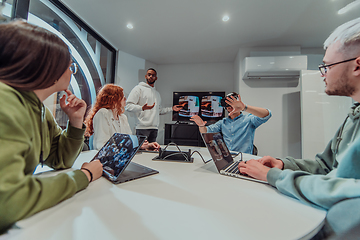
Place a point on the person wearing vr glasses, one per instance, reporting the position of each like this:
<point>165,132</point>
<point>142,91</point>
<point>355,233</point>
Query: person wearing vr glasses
<point>237,129</point>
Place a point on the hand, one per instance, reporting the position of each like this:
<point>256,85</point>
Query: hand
<point>95,167</point>
<point>154,146</point>
<point>177,108</point>
<point>254,168</point>
<point>271,162</point>
<point>236,104</point>
<point>75,108</point>
<point>146,106</point>
<point>198,120</point>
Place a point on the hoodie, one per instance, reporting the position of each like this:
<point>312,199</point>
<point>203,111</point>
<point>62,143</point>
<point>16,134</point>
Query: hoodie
<point>140,95</point>
<point>333,176</point>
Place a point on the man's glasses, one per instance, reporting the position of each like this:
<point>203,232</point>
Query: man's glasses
<point>73,68</point>
<point>324,68</point>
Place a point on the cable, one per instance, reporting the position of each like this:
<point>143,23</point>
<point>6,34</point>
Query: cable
<point>200,156</point>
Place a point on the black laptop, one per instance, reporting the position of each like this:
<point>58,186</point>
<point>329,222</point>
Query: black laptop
<point>116,156</point>
<point>222,157</point>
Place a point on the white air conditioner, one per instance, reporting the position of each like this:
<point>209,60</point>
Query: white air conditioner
<point>285,67</point>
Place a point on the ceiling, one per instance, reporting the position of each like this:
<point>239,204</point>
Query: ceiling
<point>192,31</point>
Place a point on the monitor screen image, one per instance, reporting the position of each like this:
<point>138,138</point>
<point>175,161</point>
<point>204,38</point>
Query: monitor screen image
<point>211,106</point>
<point>205,104</point>
<point>190,106</point>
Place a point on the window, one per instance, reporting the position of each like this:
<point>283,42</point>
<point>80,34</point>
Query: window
<point>93,55</point>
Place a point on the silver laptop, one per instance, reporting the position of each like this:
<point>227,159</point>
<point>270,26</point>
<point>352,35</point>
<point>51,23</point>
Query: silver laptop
<point>222,157</point>
<point>116,156</point>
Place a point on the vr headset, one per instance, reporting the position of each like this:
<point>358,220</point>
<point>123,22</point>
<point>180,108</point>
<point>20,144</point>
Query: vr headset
<point>223,103</point>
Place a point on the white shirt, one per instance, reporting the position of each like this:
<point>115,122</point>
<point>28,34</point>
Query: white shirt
<point>105,125</point>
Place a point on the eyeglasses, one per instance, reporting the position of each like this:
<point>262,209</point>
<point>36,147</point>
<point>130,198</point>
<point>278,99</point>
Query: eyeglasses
<point>324,68</point>
<point>73,68</point>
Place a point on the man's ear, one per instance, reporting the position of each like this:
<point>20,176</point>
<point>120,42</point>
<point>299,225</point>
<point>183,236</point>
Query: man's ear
<point>357,67</point>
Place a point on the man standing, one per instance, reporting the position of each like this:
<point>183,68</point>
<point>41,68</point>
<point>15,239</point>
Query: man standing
<point>145,102</point>
<point>238,129</point>
<point>332,180</point>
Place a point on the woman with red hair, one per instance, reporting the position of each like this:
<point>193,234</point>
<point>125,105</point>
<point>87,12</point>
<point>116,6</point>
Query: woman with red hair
<point>107,118</point>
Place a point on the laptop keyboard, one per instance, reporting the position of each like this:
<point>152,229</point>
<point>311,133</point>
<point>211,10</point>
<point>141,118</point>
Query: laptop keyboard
<point>232,170</point>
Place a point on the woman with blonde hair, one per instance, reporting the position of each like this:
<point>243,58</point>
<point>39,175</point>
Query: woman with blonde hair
<point>107,117</point>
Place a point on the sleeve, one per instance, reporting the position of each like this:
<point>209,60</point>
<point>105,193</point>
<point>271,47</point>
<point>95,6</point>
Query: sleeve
<point>216,127</point>
<point>310,185</point>
<point>132,103</point>
<point>165,110</point>
<point>65,145</point>
<point>23,194</point>
<point>101,129</point>
<point>257,121</point>
<point>314,189</point>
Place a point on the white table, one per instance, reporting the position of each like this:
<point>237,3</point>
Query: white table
<point>183,201</point>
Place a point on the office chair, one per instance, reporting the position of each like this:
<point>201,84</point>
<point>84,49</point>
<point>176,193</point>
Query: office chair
<point>88,143</point>
<point>255,151</point>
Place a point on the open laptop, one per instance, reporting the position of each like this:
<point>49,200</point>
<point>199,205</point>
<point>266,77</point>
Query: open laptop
<point>222,157</point>
<point>116,156</point>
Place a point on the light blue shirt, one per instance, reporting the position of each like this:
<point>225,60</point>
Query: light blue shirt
<point>239,132</point>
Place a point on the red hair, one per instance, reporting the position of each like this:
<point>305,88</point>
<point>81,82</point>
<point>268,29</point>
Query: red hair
<point>109,97</point>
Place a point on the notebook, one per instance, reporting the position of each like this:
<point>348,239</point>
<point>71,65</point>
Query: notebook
<point>222,157</point>
<point>116,156</point>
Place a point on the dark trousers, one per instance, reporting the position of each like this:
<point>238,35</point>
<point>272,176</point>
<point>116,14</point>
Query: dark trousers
<point>151,134</point>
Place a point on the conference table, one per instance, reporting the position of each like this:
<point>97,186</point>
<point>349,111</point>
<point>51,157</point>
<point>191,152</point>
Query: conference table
<point>182,201</point>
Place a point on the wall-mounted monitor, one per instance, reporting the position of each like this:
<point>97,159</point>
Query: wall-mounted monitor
<point>205,104</point>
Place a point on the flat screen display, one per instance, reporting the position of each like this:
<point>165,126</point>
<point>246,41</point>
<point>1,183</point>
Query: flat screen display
<point>205,104</point>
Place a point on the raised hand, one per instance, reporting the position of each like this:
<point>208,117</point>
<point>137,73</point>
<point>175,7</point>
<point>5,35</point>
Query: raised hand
<point>75,109</point>
<point>236,104</point>
<point>147,107</point>
<point>198,120</point>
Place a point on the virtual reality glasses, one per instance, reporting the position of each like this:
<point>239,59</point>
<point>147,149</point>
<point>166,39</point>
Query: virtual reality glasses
<point>223,103</point>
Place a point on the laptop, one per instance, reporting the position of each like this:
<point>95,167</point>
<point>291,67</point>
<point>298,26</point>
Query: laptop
<point>116,156</point>
<point>223,158</point>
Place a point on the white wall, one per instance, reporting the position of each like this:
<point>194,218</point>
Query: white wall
<point>281,135</point>
<point>191,77</point>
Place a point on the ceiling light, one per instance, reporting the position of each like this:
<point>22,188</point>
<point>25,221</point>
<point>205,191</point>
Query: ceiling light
<point>225,18</point>
<point>349,7</point>
<point>130,26</point>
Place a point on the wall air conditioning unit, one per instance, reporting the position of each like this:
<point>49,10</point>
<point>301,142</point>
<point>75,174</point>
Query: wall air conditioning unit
<point>284,67</point>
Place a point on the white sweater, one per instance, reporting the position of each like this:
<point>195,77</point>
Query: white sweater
<point>105,126</point>
<point>140,95</point>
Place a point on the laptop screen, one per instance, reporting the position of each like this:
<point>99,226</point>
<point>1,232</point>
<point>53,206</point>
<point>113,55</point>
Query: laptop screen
<point>117,153</point>
<point>218,149</point>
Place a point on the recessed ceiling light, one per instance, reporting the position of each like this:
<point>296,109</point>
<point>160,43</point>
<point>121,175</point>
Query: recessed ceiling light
<point>225,18</point>
<point>129,26</point>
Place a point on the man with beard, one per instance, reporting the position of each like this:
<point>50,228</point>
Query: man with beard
<point>332,181</point>
<point>145,102</point>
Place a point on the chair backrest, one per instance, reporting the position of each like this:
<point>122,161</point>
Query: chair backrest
<point>91,140</point>
<point>88,143</point>
<point>255,151</point>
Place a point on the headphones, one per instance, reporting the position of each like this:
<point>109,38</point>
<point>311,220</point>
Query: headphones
<point>223,103</point>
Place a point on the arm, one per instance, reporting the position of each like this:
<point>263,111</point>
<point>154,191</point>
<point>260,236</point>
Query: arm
<point>19,157</point>
<point>132,102</point>
<point>196,119</point>
<point>238,106</point>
